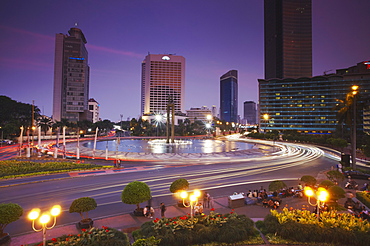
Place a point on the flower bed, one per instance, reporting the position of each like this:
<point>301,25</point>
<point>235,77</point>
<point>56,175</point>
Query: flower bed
<point>203,229</point>
<point>104,236</point>
<point>304,226</point>
<point>11,169</point>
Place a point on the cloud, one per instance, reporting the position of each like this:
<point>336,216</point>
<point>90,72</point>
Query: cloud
<point>113,51</point>
<point>21,31</point>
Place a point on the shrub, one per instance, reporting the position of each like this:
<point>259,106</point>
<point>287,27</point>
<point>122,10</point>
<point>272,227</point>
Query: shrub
<point>179,184</point>
<point>326,184</point>
<point>9,212</point>
<point>308,180</point>
<point>151,241</point>
<point>364,197</point>
<point>335,176</point>
<point>83,205</point>
<point>277,185</point>
<point>336,193</point>
<point>104,236</point>
<point>136,192</point>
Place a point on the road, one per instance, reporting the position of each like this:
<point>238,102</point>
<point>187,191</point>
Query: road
<point>219,178</point>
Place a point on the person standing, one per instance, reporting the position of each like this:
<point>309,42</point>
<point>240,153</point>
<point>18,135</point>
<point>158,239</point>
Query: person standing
<point>163,209</point>
<point>205,199</point>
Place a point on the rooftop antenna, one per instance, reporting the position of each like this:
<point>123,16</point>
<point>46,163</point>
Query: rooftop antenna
<point>76,24</point>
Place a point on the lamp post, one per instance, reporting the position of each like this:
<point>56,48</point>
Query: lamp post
<point>354,93</point>
<point>44,220</point>
<point>193,198</point>
<point>321,195</point>
<point>2,136</point>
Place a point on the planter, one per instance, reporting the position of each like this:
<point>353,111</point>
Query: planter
<point>139,212</point>
<point>85,224</point>
<point>5,238</point>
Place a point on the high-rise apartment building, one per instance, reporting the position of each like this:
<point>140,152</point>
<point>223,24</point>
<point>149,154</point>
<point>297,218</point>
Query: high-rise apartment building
<point>71,77</point>
<point>288,38</point>
<point>229,96</point>
<point>250,112</point>
<point>163,76</point>
<point>308,104</point>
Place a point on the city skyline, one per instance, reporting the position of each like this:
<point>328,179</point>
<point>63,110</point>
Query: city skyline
<point>214,37</point>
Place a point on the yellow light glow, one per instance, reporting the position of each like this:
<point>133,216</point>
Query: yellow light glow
<point>322,194</point>
<point>308,191</point>
<point>355,87</point>
<point>265,116</point>
<point>45,218</point>
<point>209,117</point>
<point>34,214</point>
<point>183,194</point>
<point>197,193</point>
<point>55,210</point>
<point>81,131</point>
<point>192,198</point>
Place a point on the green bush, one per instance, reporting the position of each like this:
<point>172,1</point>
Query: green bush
<point>182,230</point>
<point>136,192</point>
<point>9,212</point>
<point>308,180</point>
<point>151,241</point>
<point>277,185</point>
<point>326,184</point>
<point>104,236</point>
<point>336,193</point>
<point>83,205</point>
<point>364,197</point>
<point>179,184</point>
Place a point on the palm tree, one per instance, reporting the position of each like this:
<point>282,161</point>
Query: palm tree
<point>45,123</point>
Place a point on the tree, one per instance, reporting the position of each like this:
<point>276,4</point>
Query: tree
<point>335,176</point>
<point>9,212</point>
<point>83,205</point>
<point>136,192</point>
<point>308,180</point>
<point>326,184</point>
<point>179,184</point>
<point>45,123</point>
<point>277,185</point>
<point>336,193</point>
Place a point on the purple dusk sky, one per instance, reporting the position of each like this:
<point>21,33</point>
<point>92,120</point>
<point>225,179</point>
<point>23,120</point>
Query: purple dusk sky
<point>213,35</point>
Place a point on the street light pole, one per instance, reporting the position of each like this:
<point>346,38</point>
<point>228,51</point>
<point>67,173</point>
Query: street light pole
<point>321,195</point>
<point>44,220</point>
<point>354,93</point>
<point>193,199</point>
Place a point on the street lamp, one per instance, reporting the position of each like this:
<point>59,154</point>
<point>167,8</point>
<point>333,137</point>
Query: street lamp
<point>2,136</point>
<point>354,93</point>
<point>321,195</point>
<point>193,198</point>
<point>44,220</point>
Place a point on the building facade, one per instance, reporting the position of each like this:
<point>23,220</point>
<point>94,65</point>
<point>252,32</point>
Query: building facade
<point>250,112</point>
<point>308,104</point>
<point>288,38</point>
<point>163,76</point>
<point>71,77</point>
<point>94,108</point>
<point>203,114</point>
<point>229,96</point>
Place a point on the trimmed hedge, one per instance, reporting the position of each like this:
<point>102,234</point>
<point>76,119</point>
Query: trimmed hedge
<point>364,197</point>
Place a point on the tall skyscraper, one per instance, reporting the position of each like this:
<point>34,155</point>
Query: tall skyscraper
<point>250,112</point>
<point>71,77</point>
<point>162,76</point>
<point>229,96</point>
<point>288,38</point>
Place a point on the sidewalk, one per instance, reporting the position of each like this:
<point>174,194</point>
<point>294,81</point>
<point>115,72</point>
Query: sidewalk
<point>128,222</point>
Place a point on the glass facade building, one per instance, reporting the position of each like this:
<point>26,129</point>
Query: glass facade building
<point>288,38</point>
<point>229,96</point>
<point>308,104</point>
<point>250,112</point>
<point>71,77</point>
